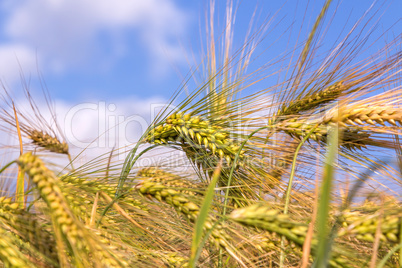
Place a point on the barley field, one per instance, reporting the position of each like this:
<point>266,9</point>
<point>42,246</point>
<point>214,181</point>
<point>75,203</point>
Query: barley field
<point>304,173</point>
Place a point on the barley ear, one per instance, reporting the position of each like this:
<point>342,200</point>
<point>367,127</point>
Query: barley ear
<point>198,133</point>
<point>48,142</point>
<point>188,208</point>
<point>29,229</point>
<point>262,216</point>
<point>364,227</point>
<point>313,100</point>
<point>10,253</point>
<point>63,218</point>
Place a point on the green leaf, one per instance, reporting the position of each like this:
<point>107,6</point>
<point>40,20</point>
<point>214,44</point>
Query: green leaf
<point>203,216</point>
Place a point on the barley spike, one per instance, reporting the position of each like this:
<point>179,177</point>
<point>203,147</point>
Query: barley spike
<point>50,191</point>
<point>183,204</point>
<point>313,100</point>
<point>48,142</point>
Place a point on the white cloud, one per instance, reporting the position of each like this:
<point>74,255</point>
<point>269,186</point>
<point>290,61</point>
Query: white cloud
<point>96,128</point>
<point>89,122</point>
<point>66,33</point>
<point>116,123</point>
<point>16,59</point>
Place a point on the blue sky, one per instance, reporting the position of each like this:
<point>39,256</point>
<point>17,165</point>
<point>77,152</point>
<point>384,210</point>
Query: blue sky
<point>103,50</point>
<point>134,53</point>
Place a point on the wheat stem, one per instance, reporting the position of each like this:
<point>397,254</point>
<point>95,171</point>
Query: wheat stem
<point>289,189</point>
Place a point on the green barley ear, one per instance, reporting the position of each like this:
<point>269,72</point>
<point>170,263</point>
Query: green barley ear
<point>271,220</point>
<point>198,133</point>
<point>87,187</point>
<point>171,259</point>
<point>175,260</point>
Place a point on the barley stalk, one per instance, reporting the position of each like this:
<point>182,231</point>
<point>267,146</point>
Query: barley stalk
<point>283,163</point>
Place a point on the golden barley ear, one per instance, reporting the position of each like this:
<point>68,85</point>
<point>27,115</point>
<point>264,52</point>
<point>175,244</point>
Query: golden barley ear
<point>80,241</point>
<point>356,115</point>
<point>352,138</point>
<point>48,142</point>
<point>81,191</point>
<point>10,254</point>
<point>363,223</point>
<point>313,100</point>
<point>359,122</point>
<point>170,180</point>
<point>43,134</point>
<point>183,204</point>
<point>266,218</point>
<point>204,143</point>
<point>29,229</point>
